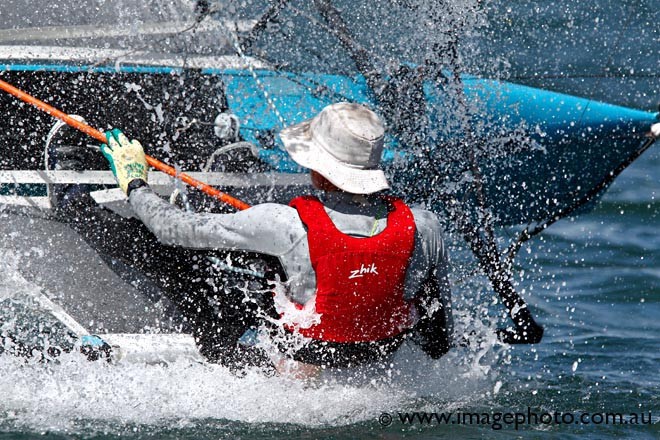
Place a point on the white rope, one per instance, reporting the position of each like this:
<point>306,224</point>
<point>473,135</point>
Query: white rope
<point>227,149</point>
<point>51,135</point>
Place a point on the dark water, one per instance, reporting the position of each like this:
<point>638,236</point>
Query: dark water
<point>594,282</point>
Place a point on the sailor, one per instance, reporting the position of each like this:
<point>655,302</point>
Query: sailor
<point>371,270</point>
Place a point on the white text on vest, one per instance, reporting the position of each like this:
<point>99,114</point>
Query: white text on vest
<point>357,273</point>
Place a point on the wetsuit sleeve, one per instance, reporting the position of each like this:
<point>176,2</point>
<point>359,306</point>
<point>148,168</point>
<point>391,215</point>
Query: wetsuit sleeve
<point>268,228</point>
<point>434,330</point>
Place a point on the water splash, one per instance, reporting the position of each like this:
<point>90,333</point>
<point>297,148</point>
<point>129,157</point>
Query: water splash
<point>62,396</point>
<point>70,394</point>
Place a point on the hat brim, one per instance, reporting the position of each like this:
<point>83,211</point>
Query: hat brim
<point>303,149</point>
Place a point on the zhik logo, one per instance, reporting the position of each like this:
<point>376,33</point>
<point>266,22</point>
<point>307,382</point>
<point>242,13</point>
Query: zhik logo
<point>363,270</point>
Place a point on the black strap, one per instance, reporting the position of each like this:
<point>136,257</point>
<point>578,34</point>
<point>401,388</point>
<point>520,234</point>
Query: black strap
<point>135,184</point>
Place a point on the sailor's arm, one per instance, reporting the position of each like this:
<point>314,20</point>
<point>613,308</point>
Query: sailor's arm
<point>267,228</point>
<point>260,228</point>
<point>434,330</point>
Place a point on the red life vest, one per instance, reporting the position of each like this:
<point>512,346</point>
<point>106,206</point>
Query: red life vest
<point>359,281</point>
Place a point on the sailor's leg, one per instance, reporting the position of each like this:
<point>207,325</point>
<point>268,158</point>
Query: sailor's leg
<point>178,273</point>
<point>241,299</point>
<point>214,304</point>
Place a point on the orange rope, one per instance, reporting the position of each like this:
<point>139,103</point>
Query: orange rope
<point>98,135</point>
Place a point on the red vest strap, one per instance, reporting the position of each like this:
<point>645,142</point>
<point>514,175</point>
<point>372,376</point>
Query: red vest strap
<point>359,281</point>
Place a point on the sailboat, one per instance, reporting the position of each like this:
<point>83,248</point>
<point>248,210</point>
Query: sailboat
<point>511,154</point>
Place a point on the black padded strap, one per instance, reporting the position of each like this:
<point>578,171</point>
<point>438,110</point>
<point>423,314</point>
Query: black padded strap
<point>135,184</point>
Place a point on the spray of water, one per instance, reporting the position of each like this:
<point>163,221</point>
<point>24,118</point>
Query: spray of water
<point>70,394</point>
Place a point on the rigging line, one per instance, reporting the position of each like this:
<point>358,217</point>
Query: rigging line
<point>610,58</point>
<point>202,8</point>
<point>490,240</point>
<point>526,330</point>
<point>233,37</point>
<point>341,31</point>
<point>269,15</point>
<point>485,248</point>
<point>324,89</point>
<point>358,46</point>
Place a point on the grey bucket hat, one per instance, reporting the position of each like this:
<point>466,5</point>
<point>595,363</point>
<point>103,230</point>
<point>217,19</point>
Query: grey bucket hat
<point>343,143</point>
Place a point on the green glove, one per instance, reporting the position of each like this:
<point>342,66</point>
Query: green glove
<point>127,160</point>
